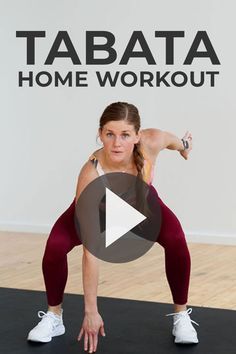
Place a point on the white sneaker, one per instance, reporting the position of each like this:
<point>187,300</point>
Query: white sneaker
<point>51,325</point>
<point>183,329</point>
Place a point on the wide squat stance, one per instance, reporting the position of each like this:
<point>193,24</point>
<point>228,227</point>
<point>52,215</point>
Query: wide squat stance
<point>126,148</point>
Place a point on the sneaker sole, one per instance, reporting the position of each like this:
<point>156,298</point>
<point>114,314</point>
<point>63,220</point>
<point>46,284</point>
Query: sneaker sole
<point>187,341</point>
<point>58,332</point>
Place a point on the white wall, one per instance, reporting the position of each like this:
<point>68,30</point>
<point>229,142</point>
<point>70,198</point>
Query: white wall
<point>48,133</point>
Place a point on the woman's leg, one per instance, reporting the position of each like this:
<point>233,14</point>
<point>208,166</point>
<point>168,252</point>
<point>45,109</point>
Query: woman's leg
<point>62,239</point>
<point>177,257</point>
<point>178,264</point>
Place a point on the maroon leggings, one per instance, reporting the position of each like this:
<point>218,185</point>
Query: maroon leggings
<point>63,238</point>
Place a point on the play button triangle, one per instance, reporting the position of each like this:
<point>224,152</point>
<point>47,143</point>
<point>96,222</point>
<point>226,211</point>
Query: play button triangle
<point>120,217</point>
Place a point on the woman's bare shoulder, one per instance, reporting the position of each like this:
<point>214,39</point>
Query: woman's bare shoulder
<point>88,167</point>
<point>152,141</point>
<point>150,133</point>
<point>88,173</point>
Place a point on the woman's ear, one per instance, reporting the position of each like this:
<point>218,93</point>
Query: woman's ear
<point>100,134</point>
<point>138,136</point>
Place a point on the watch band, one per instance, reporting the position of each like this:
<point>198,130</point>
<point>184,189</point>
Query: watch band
<point>185,144</point>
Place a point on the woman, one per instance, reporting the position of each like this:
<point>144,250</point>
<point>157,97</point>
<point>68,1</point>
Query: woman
<point>128,149</point>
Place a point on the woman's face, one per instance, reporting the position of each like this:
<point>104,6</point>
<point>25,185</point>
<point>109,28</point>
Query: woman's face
<point>118,138</point>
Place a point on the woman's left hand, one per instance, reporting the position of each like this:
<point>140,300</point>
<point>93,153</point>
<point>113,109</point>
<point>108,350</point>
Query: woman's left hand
<point>188,137</point>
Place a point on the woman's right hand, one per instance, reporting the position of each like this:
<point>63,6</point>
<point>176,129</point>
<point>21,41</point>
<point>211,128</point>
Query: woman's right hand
<point>91,326</point>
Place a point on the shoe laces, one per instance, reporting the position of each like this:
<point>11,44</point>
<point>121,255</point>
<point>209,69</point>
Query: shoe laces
<point>49,317</point>
<point>41,314</point>
<point>181,315</point>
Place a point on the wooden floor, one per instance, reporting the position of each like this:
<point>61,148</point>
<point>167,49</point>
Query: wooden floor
<point>213,272</point>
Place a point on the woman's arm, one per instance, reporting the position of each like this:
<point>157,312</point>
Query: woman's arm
<point>90,269</point>
<point>155,140</point>
<point>93,322</point>
<point>89,262</point>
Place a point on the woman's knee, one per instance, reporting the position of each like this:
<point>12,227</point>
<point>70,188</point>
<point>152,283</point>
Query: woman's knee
<point>58,243</point>
<point>174,238</point>
<point>54,251</point>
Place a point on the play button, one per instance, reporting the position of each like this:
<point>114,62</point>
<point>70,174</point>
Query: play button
<point>130,217</point>
<point>118,217</point>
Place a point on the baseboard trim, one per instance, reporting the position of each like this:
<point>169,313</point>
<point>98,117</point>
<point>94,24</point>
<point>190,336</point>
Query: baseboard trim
<point>219,239</point>
<point>26,228</point>
<point>194,237</point>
